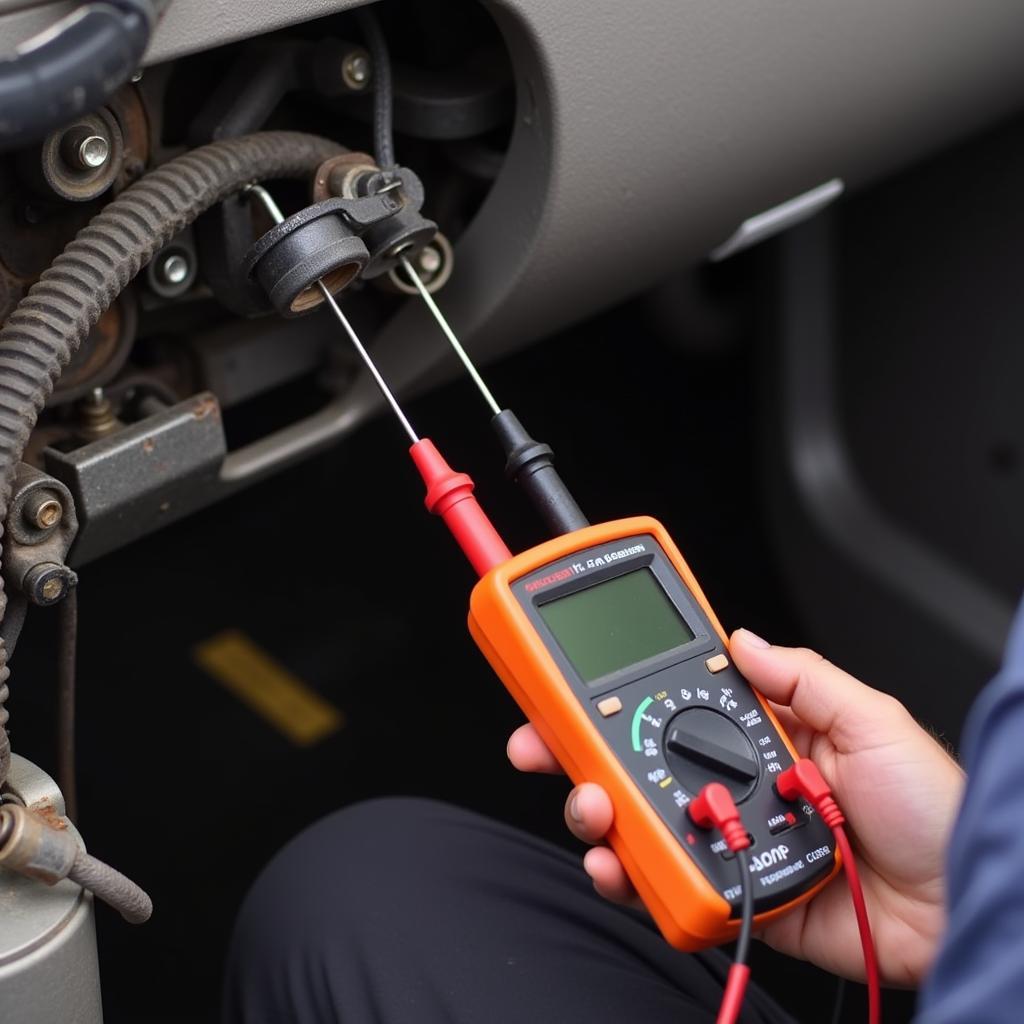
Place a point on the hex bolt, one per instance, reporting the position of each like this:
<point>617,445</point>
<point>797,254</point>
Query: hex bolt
<point>42,510</point>
<point>356,70</point>
<point>84,150</point>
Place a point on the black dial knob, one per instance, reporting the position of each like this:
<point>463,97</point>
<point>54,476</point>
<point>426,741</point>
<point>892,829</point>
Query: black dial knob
<point>703,746</point>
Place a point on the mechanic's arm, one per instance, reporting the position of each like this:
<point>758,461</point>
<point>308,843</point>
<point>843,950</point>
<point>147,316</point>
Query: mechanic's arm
<point>897,787</point>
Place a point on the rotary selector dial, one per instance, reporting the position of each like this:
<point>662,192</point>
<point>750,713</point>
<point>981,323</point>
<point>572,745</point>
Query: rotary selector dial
<point>702,745</point>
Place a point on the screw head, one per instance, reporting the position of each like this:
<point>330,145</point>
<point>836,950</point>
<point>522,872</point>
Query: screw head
<point>47,513</point>
<point>174,268</point>
<point>52,588</point>
<point>356,69</point>
<point>92,152</point>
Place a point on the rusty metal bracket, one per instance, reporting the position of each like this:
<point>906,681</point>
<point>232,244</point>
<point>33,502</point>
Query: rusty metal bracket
<point>143,477</point>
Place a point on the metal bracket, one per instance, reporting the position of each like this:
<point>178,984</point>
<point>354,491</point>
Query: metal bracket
<point>144,476</point>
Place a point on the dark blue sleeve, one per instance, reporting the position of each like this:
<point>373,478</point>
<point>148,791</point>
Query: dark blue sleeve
<point>979,974</point>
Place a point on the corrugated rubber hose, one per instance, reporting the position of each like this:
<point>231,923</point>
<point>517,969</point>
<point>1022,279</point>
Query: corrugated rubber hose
<point>52,320</point>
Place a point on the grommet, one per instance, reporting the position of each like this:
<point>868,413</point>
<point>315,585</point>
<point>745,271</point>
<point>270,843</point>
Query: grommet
<point>313,245</point>
<point>402,234</point>
<point>433,263</point>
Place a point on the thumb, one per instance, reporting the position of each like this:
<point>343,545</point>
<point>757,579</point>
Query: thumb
<point>825,698</point>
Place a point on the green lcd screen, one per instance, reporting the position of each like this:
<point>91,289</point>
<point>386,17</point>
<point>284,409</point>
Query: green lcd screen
<point>616,623</point>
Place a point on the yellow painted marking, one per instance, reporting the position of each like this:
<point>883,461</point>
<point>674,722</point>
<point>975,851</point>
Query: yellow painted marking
<point>665,783</point>
<point>268,688</point>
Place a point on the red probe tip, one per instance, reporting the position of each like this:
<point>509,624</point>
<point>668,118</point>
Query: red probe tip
<point>450,496</point>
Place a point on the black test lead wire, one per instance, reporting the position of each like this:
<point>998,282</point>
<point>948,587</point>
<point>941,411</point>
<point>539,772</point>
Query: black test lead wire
<point>528,462</point>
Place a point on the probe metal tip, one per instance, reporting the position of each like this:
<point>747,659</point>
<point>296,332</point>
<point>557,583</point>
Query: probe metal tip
<point>275,212</point>
<point>370,364</point>
<point>450,334</point>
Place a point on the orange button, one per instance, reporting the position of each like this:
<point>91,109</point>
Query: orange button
<point>609,706</point>
<point>717,663</point>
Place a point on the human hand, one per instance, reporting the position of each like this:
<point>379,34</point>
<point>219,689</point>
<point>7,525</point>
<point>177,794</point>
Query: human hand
<point>897,787</point>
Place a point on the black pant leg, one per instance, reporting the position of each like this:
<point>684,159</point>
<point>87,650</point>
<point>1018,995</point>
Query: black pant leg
<point>405,911</point>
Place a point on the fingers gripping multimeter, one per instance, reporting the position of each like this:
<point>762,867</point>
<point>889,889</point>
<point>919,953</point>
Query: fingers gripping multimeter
<point>607,643</point>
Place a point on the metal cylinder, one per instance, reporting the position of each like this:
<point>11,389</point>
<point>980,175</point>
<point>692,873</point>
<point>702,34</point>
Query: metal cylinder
<point>49,971</point>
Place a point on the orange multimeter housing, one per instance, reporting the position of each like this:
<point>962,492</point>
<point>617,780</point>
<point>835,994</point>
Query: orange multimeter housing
<point>607,643</point>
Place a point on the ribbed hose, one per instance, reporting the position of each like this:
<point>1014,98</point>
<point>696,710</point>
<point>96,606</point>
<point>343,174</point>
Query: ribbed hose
<point>58,312</point>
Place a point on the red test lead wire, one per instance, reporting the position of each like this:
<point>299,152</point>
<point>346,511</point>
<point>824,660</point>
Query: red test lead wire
<point>804,779</point>
<point>450,496</point>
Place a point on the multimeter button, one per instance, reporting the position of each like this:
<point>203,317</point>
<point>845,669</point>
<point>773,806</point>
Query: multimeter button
<point>717,663</point>
<point>609,706</point>
<point>703,746</point>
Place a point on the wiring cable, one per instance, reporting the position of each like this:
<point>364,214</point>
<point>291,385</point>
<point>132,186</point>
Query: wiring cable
<point>714,807</point>
<point>383,113</point>
<point>67,652</point>
<point>804,779</point>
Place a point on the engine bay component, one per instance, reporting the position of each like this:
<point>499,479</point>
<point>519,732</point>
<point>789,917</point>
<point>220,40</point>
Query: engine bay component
<point>315,245</point>
<point>60,310</point>
<point>72,68</point>
<point>82,161</point>
<point>322,248</point>
<point>49,968</point>
<point>33,847</point>
<point>143,476</point>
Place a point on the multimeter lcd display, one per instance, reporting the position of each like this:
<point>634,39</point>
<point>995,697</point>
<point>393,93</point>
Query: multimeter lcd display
<point>614,624</point>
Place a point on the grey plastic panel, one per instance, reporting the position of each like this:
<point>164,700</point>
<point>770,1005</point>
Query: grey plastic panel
<point>647,133</point>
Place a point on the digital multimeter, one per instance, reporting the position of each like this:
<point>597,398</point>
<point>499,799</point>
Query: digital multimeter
<point>608,645</point>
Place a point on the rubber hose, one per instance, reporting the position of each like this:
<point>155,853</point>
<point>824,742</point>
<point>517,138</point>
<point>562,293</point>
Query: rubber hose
<point>71,68</point>
<point>56,315</point>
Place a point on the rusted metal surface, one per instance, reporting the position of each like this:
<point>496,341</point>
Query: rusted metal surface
<point>335,177</point>
<point>144,476</point>
<point>50,814</point>
<point>127,106</point>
